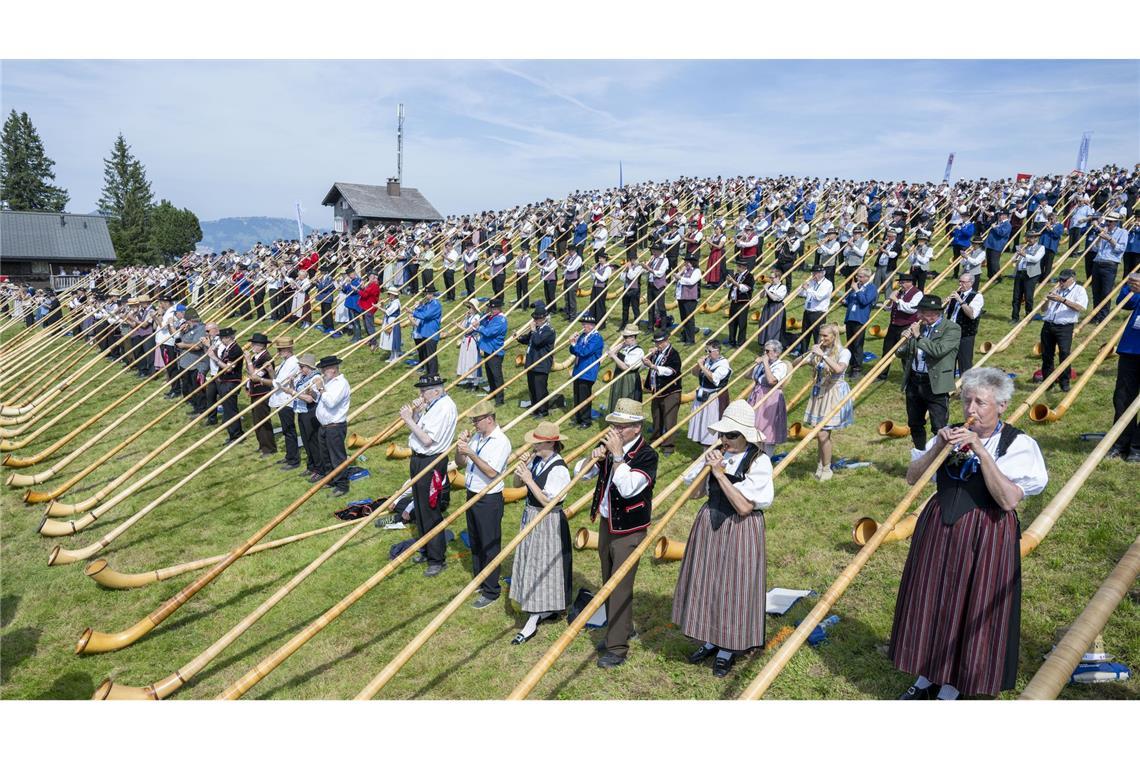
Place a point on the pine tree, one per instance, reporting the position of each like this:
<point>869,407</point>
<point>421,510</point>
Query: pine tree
<point>128,200</point>
<point>25,169</point>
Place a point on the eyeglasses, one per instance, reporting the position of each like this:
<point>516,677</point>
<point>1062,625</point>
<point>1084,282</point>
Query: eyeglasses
<point>477,420</point>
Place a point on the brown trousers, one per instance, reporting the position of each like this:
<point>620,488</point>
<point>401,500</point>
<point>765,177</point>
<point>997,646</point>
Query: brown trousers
<point>614,550</point>
<point>665,417</point>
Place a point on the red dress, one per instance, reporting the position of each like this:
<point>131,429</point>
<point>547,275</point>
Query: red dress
<point>714,274</point>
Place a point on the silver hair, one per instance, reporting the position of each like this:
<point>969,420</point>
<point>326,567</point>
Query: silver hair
<point>973,278</point>
<point>774,345</point>
<point>991,378</point>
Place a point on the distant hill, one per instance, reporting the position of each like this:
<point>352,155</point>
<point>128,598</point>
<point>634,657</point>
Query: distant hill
<point>241,232</point>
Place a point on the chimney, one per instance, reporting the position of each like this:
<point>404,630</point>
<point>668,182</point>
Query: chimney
<point>394,187</point>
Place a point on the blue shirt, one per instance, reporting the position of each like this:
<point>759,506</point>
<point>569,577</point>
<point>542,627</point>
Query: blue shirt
<point>963,235</point>
<point>874,213</point>
<point>1133,240</point>
<point>1051,236</point>
<point>428,315</point>
<point>1111,251</point>
<point>492,333</point>
<point>1130,340</point>
<point>588,356</point>
<point>809,211</point>
<point>352,298</point>
<point>999,236</point>
<point>325,288</point>
<point>1081,216</point>
<point>859,304</point>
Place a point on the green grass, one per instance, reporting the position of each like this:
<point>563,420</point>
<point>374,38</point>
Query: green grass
<point>44,609</point>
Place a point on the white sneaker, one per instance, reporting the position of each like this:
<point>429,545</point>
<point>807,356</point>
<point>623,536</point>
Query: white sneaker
<point>825,474</point>
<point>395,526</point>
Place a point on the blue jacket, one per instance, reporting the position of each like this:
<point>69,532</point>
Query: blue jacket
<point>963,235</point>
<point>580,232</point>
<point>874,213</point>
<point>999,236</point>
<point>325,288</point>
<point>428,314</point>
<point>492,334</point>
<point>1133,241</point>
<point>859,304</point>
<point>588,356</point>
<point>351,298</point>
<point>1051,236</point>
<point>1130,341</point>
<point>809,211</point>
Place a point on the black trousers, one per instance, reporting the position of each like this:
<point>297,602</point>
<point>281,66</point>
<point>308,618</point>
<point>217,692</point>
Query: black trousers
<point>1103,281</point>
<point>1023,290</point>
<point>266,443</point>
<point>327,316</point>
<point>310,437</point>
<point>919,276</point>
<point>449,284</point>
<point>485,529</point>
<point>920,402</point>
<point>1047,263</point>
<point>494,369</point>
<point>499,284</point>
<point>689,326</point>
<point>330,439</point>
<point>737,323</point>
<point>598,304</point>
<point>210,396</point>
<point>427,277</point>
<point>536,386</point>
<point>1127,388</point>
<point>259,302</point>
<point>410,271</point>
<point>630,304</point>
<point>993,263</point>
<point>522,288</point>
<point>190,384</point>
<point>426,353</point>
<point>1131,261</point>
<point>1058,339</point>
<point>289,432</point>
<point>855,345</point>
<point>229,408</point>
<point>965,359</point>
<point>170,359</point>
<point>813,321</point>
<point>428,516</point>
<point>664,408</point>
<point>550,291</point>
<point>469,282</point>
<point>583,389</point>
<point>571,299</point>
<point>890,340</point>
<point>655,301</point>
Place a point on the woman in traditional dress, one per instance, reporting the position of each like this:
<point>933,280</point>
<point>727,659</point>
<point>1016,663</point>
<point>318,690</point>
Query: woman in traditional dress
<point>772,317</point>
<point>541,577</point>
<point>721,587</point>
<point>958,614</point>
<point>626,357</point>
<point>829,360</point>
<point>299,306</point>
<point>715,273</point>
<point>771,408</point>
<point>469,347</point>
<point>712,374</point>
<point>390,337</point>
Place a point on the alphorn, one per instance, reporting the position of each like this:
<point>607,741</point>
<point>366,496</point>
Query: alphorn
<point>1048,681</point>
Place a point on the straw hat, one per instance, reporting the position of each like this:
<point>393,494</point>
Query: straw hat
<point>283,342</point>
<point>739,417</point>
<point>308,360</point>
<point>626,410</point>
<point>482,409</point>
<point>544,432</point>
<point>630,332</point>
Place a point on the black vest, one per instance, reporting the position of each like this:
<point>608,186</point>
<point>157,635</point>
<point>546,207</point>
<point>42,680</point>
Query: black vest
<point>720,507</point>
<point>665,384</point>
<point>540,480</point>
<point>969,325</point>
<point>632,514</point>
<point>708,387</point>
<point>958,497</point>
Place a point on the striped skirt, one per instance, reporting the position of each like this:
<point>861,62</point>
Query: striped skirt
<point>958,614</point>
<point>540,580</point>
<point>720,596</point>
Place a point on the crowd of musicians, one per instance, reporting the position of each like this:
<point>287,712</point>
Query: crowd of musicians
<point>666,246</point>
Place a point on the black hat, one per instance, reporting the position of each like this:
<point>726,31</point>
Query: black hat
<point>1066,274</point>
<point>430,289</point>
<point>660,335</point>
<point>495,303</point>
<point>691,257</point>
<point>539,309</point>
<point>930,302</point>
<point>587,317</point>
<point>429,381</point>
<point>905,276</point>
<point>259,338</point>
<point>227,332</point>
<point>923,236</point>
<point>328,361</point>
<point>817,268</point>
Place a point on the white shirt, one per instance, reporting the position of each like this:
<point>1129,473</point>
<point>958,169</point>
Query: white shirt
<point>631,274</point>
<point>493,449</point>
<point>1033,254</point>
<point>911,306</point>
<point>817,294</point>
<point>976,303</point>
<point>601,274</point>
<point>332,408</point>
<point>1059,313</point>
<point>283,383</point>
<point>558,477</point>
<point>438,421</point>
<point>757,484</point>
<point>692,278</point>
<point>628,482</point>
<point>855,252</point>
<point>776,291</point>
<point>600,235</point>
<point>633,357</point>
<point>1023,463</point>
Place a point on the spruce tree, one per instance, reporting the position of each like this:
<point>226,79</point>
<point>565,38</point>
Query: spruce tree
<point>128,200</point>
<point>25,170</point>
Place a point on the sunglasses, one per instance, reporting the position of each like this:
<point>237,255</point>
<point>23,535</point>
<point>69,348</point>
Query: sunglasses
<point>731,435</point>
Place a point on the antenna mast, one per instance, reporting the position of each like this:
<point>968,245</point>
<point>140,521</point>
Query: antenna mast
<point>400,143</point>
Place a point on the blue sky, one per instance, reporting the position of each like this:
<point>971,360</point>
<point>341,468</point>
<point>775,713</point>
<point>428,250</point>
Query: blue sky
<point>245,138</point>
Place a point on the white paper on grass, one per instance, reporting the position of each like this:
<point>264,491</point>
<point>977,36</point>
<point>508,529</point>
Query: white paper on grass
<point>780,600</point>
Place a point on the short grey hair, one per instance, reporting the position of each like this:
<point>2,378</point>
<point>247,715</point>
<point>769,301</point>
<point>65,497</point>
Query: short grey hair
<point>774,345</point>
<point>990,378</point>
<point>973,279</point>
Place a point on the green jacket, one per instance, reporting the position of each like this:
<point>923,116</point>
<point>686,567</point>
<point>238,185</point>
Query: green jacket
<point>941,349</point>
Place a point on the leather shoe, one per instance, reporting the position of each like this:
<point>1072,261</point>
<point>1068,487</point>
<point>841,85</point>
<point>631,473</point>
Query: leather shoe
<point>1134,457</point>
<point>520,638</point>
<point>610,660</point>
<point>1116,452</point>
<point>419,559</point>
<point>340,491</point>
<point>722,665</point>
<point>434,570</point>
<point>288,466</point>
<point>701,655</point>
<point>913,692</point>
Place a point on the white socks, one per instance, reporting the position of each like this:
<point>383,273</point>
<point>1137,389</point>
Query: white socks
<point>947,692</point>
<point>922,682</point>
<point>532,622</point>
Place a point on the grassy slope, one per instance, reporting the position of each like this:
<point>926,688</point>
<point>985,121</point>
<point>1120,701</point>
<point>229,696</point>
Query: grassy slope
<point>45,609</point>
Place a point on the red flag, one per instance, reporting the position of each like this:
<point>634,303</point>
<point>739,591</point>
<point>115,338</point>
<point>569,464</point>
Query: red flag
<point>1022,175</point>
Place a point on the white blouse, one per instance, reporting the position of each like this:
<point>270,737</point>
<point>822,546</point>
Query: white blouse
<point>757,484</point>
<point>1022,463</point>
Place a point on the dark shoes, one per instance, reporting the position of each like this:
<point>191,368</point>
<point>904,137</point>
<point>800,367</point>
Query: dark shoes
<point>522,639</point>
<point>1134,457</point>
<point>722,665</point>
<point>1116,452</point>
<point>610,660</point>
<point>340,491</point>
<point>434,570</point>
<point>483,601</point>
<point>701,655</point>
<point>913,692</point>
<point>288,466</point>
